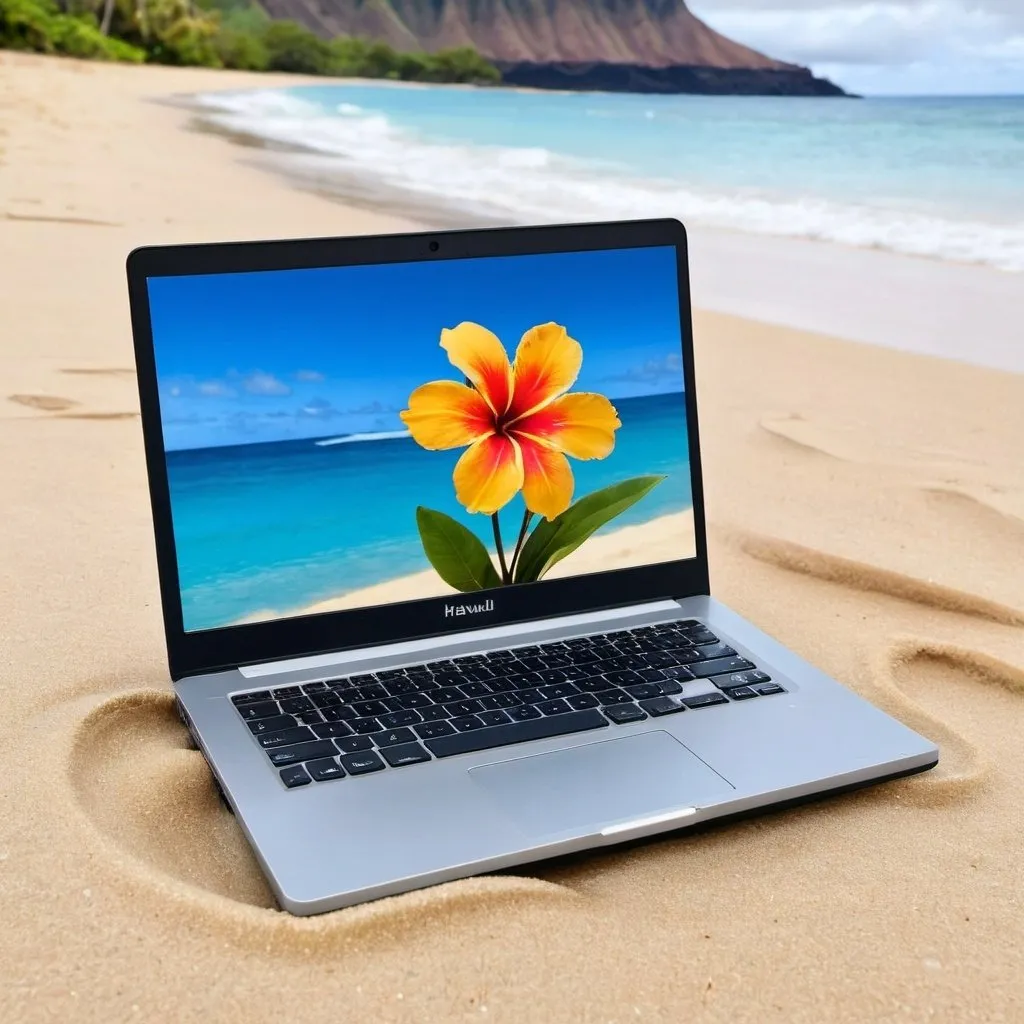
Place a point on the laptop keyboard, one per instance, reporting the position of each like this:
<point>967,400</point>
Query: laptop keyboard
<point>362,724</point>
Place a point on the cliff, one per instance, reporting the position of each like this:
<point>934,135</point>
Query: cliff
<point>627,45</point>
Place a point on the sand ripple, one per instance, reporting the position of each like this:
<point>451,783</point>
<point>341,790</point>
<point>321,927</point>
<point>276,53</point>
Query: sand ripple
<point>153,802</point>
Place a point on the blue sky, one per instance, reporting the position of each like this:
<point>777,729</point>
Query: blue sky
<point>279,355</point>
<point>887,47</point>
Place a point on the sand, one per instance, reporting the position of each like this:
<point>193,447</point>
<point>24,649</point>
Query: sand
<point>866,507</point>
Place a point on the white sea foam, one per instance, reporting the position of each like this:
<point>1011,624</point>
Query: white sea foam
<point>531,185</point>
<point>380,435</point>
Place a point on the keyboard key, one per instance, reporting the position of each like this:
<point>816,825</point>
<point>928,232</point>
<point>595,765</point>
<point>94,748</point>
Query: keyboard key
<point>748,678</point>
<point>670,686</point>
<point>250,698</point>
<point>702,637</point>
<point>642,690</point>
<point>581,701</point>
<point>296,705</point>
<point>371,708</point>
<point>287,691</point>
<point>403,754</point>
<point>394,719</point>
<point>293,777</point>
<point>658,706</point>
<point>704,700</point>
<point>327,699</point>
<point>493,717</point>
<point>447,694</point>
<point>524,713</point>
<point>273,724</point>
<point>261,709</point>
<point>678,672</point>
<point>340,714</point>
<point>553,675</point>
<point>517,732</point>
<point>353,744</point>
<point>558,690</point>
<point>742,693</point>
<point>361,763</point>
<point>474,689</point>
<point>613,696</point>
<point>710,651</point>
<point>325,770</point>
<point>622,713</point>
<point>330,730</point>
<point>365,725</point>
<point>428,730</point>
<point>553,707</point>
<point>464,707</point>
<point>285,738</point>
<point>390,737</point>
<point>281,756</point>
<point>623,676</point>
<point>702,669</point>
<point>413,700</point>
<point>309,718</point>
<point>434,713</point>
<point>531,695</point>
<point>767,688</point>
<point>311,688</point>
<point>593,685</point>
<point>499,701</point>
<point>466,722</point>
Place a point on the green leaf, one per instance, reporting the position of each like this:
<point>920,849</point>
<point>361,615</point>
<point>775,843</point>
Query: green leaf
<point>551,541</point>
<point>457,554</point>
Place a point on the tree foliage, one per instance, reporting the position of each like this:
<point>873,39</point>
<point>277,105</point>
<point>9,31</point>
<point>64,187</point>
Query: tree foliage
<point>220,33</point>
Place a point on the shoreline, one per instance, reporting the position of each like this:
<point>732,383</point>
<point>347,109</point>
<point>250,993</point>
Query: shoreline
<point>643,542</point>
<point>922,303</point>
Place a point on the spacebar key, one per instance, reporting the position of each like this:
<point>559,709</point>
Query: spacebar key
<point>518,732</point>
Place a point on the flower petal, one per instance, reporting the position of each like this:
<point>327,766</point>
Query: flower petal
<point>547,479</point>
<point>481,357</point>
<point>547,363</point>
<point>581,424</point>
<point>488,474</point>
<point>446,414</point>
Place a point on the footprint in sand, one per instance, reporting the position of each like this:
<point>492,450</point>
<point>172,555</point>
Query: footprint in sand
<point>909,675</point>
<point>45,403</point>
<point>144,788</point>
<point>938,472</point>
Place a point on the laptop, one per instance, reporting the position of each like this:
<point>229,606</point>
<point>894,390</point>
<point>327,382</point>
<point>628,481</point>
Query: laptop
<point>431,543</point>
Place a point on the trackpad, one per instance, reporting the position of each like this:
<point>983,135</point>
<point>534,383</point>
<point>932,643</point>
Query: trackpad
<point>597,784</point>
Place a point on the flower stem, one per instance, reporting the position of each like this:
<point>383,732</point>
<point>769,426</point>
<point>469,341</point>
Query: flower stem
<point>505,578</point>
<point>527,516</point>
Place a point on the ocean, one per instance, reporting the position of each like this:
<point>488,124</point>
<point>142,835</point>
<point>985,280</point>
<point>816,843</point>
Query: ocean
<point>937,177</point>
<point>282,525</point>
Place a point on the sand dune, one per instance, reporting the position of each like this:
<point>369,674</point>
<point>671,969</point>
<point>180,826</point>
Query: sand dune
<point>831,472</point>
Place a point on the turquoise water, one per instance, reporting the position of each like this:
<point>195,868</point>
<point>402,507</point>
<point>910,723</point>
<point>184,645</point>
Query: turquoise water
<point>282,525</point>
<point>934,177</point>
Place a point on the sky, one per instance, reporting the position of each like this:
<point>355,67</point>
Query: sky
<point>886,47</point>
<point>281,355</point>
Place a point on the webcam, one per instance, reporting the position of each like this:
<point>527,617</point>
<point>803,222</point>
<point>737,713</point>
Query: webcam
<point>434,246</point>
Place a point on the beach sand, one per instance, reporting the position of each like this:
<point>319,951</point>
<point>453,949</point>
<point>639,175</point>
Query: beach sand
<point>654,541</point>
<point>866,507</point>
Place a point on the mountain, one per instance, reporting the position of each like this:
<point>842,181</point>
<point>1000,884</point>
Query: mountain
<point>622,45</point>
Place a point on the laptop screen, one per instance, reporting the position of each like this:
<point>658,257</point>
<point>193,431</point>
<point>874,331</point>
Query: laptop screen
<point>357,436</point>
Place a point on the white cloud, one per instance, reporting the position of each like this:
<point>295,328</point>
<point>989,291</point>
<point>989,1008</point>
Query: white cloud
<point>309,376</point>
<point>901,45</point>
<point>214,389</point>
<point>259,383</point>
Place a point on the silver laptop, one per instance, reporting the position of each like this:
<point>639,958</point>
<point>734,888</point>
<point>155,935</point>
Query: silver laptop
<point>431,543</point>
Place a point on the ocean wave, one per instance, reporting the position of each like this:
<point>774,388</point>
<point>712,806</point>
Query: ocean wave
<point>380,435</point>
<point>535,185</point>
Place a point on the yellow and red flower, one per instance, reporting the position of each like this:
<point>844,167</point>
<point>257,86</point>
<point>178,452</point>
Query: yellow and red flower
<point>516,418</point>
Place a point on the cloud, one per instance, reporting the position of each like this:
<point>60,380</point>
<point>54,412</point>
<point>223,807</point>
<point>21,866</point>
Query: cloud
<point>957,45</point>
<point>668,369</point>
<point>260,383</point>
<point>308,376</point>
<point>319,408</point>
<point>214,389</point>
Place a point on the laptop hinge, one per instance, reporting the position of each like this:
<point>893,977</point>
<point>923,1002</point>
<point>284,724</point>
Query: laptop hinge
<point>656,610</point>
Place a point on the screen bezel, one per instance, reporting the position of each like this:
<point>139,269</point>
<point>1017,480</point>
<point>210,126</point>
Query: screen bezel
<point>191,653</point>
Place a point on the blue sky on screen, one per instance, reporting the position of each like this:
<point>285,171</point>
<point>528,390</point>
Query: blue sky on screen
<point>278,355</point>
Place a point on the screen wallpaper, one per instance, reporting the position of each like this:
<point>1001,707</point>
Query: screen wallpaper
<point>356,436</point>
